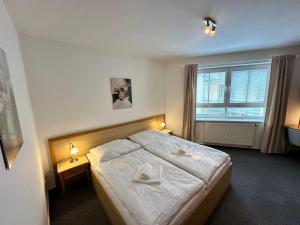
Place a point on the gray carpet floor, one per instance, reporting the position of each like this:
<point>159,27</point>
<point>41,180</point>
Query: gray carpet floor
<point>265,190</point>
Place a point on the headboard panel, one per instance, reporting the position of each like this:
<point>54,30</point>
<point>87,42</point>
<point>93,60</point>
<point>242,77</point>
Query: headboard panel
<point>60,146</point>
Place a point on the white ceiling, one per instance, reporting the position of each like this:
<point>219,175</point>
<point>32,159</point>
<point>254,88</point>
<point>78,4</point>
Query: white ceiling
<point>162,29</point>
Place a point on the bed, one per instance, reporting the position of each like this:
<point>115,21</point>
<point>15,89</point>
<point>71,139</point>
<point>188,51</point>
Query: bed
<point>193,209</point>
<point>167,203</point>
<point>206,163</point>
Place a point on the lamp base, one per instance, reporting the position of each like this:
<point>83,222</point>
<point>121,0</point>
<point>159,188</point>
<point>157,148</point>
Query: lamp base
<point>73,160</point>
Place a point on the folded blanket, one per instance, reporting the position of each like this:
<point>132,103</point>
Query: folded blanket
<point>155,174</point>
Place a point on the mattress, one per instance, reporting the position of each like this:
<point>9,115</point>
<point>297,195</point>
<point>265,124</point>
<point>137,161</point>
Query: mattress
<point>204,162</point>
<point>170,203</point>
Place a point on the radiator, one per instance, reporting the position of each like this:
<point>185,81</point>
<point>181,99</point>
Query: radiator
<point>230,134</point>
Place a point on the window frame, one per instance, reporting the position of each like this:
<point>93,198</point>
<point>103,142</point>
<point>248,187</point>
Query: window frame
<point>227,92</point>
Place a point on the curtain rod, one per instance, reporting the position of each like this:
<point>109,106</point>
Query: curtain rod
<point>242,63</point>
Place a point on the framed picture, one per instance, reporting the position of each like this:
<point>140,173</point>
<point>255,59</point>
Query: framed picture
<point>11,138</point>
<point>121,90</point>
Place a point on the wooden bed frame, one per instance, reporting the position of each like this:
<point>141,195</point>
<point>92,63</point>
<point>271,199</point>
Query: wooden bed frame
<point>84,140</point>
<point>199,216</point>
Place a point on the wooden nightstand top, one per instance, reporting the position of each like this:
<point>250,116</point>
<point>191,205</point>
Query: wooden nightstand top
<point>66,164</point>
<point>293,126</point>
<point>167,131</point>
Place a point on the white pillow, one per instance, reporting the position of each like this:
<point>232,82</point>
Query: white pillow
<point>148,136</point>
<point>113,149</point>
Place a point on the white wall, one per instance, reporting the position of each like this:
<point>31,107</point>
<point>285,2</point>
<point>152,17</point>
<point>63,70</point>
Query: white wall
<point>175,81</point>
<point>70,88</point>
<point>22,194</point>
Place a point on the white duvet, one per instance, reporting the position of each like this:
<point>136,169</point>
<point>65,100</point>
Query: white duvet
<point>148,136</point>
<point>203,161</point>
<point>149,204</point>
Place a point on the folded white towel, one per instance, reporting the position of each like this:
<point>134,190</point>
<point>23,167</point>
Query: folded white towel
<point>155,178</point>
<point>145,171</point>
<point>181,152</point>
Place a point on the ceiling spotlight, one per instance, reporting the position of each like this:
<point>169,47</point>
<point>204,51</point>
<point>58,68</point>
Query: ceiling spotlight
<point>210,26</point>
<point>207,27</point>
<point>213,31</point>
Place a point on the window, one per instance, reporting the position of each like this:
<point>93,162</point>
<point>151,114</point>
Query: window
<point>232,93</point>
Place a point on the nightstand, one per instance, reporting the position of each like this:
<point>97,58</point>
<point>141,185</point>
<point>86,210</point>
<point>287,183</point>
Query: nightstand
<point>167,131</point>
<point>294,134</point>
<point>67,169</point>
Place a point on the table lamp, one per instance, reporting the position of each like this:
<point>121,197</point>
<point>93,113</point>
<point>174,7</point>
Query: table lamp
<point>162,125</point>
<point>73,153</point>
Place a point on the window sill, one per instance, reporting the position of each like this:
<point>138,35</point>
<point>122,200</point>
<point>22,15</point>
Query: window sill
<point>222,120</point>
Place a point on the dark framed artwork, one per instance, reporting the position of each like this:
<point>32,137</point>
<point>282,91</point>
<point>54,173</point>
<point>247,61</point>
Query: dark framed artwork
<point>121,90</point>
<point>11,138</point>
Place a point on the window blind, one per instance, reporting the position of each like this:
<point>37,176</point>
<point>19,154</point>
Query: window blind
<point>235,93</point>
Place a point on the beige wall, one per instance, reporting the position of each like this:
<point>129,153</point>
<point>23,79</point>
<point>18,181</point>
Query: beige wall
<point>70,88</point>
<point>175,81</point>
<point>22,194</point>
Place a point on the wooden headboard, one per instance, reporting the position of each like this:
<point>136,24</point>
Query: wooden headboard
<point>60,146</point>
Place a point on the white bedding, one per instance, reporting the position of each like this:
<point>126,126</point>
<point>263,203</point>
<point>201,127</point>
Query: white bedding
<point>149,204</point>
<point>203,163</point>
<point>147,136</point>
<point>113,149</point>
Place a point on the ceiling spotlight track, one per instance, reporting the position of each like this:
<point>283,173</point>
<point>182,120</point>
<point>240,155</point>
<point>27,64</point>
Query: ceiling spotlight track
<point>210,26</point>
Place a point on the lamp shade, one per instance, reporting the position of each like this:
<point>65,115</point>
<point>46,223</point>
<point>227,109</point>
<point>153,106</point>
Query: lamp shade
<point>74,151</point>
